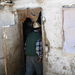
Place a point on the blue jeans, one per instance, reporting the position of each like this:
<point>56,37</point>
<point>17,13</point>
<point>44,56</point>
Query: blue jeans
<point>32,65</point>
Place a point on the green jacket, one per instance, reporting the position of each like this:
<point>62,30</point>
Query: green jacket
<point>31,42</point>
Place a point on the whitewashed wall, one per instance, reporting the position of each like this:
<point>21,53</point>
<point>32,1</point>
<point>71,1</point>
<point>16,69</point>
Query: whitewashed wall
<point>58,62</point>
<point>10,46</point>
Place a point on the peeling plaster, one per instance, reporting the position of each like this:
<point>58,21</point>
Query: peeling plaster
<point>56,62</point>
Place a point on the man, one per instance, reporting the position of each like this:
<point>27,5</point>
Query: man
<point>34,51</point>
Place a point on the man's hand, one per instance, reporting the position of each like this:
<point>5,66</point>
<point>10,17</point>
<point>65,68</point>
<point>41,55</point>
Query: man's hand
<point>40,59</point>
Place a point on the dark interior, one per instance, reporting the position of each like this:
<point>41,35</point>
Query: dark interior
<point>27,28</point>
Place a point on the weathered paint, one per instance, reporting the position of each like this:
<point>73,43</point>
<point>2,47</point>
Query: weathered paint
<point>56,62</point>
<point>11,57</point>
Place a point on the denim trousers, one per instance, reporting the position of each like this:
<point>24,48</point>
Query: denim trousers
<point>33,65</point>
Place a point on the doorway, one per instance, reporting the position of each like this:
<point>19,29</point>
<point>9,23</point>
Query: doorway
<point>27,30</point>
<point>25,17</point>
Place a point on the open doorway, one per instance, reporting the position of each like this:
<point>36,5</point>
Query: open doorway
<point>26,17</point>
<point>28,30</point>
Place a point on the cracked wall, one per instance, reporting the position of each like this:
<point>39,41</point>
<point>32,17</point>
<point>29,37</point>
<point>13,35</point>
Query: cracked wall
<point>56,62</point>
